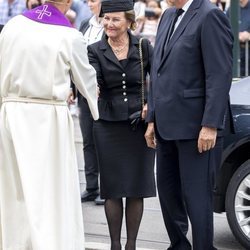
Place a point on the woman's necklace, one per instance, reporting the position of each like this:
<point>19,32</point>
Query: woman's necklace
<point>118,50</point>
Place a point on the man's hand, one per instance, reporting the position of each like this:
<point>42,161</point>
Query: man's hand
<point>244,36</point>
<point>150,136</point>
<point>207,139</point>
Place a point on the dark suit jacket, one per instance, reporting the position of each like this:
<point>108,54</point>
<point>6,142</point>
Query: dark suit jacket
<point>1,27</point>
<point>84,26</point>
<point>120,86</point>
<point>191,82</point>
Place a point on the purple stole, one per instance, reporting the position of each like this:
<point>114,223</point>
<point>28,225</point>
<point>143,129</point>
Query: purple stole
<point>48,14</point>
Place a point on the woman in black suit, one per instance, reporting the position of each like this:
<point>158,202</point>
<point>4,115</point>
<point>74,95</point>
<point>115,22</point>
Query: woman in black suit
<point>126,164</point>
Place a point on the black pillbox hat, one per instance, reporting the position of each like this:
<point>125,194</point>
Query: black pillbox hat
<point>109,6</point>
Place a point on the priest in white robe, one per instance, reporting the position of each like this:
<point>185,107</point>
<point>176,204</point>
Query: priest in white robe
<point>40,207</point>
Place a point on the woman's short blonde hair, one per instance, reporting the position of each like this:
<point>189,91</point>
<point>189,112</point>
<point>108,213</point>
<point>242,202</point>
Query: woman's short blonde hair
<point>130,16</point>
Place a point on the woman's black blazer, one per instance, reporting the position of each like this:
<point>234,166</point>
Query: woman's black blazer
<point>119,83</point>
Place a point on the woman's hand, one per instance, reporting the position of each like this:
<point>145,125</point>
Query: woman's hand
<point>98,91</point>
<point>144,112</point>
<point>71,98</point>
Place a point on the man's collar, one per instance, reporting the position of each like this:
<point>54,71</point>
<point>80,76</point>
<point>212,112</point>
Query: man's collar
<point>186,5</point>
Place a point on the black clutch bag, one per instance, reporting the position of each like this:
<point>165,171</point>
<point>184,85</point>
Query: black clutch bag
<point>135,119</point>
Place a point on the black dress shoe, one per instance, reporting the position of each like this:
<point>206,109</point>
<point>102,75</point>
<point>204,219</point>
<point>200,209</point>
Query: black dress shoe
<point>89,195</point>
<point>99,201</point>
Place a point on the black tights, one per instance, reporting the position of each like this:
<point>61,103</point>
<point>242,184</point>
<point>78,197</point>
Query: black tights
<point>114,215</point>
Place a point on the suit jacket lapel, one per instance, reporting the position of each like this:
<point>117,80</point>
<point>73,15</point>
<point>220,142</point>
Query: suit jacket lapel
<point>181,27</point>
<point>109,54</point>
<point>162,34</point>
<point>133,47</point>
<point>191,12</point>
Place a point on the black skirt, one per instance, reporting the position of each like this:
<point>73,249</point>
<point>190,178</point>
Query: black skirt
<point>126,163</point>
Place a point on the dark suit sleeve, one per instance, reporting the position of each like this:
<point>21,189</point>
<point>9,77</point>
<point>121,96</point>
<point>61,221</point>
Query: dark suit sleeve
<point>148,54</point>
<point>93,60</point>
<point>216,46</point>
<point>84,26</point>
<point>150,114</point>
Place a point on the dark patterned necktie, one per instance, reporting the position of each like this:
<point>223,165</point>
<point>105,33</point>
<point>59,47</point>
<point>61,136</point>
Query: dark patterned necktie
<point>171,28</point>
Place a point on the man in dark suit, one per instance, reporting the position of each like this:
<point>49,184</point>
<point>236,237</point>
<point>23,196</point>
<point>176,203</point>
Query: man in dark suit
<point>188,109</point>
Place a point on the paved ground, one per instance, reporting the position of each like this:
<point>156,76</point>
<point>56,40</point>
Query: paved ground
<point>152,234</point>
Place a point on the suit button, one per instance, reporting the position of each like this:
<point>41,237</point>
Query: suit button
<point>123,82</point>
<point>124,86</point>
<point>158,74</point>
<point>125,99</point>
<point>123,74</point>
<point>124,93</point>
